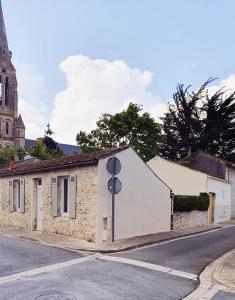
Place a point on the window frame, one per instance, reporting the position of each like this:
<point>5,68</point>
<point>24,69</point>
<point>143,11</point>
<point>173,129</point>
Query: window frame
<point>16,195</point>
<point>64,213</point>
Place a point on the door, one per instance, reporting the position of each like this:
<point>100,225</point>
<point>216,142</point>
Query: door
<point>39,205</point>
<point>211,209</point>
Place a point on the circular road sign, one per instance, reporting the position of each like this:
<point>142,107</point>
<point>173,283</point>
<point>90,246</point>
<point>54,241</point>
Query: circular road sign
<point>114,185</point>
<point>114,166</point>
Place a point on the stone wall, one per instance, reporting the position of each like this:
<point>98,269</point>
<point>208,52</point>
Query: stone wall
<point>84,226</point>
<point>187,219</point>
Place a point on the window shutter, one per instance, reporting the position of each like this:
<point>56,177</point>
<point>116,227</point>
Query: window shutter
<point>72,197</point>
<point>54,197</point>
<point>22,196</point>
<point>11,196</point>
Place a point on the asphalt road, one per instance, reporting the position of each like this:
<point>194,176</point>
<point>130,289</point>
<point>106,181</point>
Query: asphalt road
<point>189,254</point>
<point>18,255</point>
<point>102,279</point>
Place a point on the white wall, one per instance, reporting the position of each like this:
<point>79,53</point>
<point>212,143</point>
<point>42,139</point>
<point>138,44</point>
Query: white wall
<point>222,190</point>
<point>144,204</point>
<point>182,180</point>
<point>231,177</point>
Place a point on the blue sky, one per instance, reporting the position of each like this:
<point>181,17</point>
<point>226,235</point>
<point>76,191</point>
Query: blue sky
<point>183,41</point>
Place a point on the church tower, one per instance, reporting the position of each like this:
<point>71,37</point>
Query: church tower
<point>12,128</point>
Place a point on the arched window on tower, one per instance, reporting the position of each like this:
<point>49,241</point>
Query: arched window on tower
<point>7,91</point>
<point>7,128</point>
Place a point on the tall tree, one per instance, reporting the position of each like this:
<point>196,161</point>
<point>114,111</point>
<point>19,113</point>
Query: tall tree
<point>199,120</point>
<point>129,127</point>
<point>218,134</point>
<point>45,147</point>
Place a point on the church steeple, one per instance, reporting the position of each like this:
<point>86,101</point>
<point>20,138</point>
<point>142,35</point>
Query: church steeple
<point>3,35</point>
<point>12,130</point>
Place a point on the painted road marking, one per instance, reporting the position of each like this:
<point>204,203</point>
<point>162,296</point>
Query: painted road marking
<point>48,268</point>
<point>150,266</point>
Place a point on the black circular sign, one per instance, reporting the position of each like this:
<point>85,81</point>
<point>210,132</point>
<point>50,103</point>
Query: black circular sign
<point>114,185</point>
<point>114,166</point>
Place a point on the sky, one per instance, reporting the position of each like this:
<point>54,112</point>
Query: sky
<point>77,59</point>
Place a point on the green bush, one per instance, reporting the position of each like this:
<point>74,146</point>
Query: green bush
<point>191,203</point>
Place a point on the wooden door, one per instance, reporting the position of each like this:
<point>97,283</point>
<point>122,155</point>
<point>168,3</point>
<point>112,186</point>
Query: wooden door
<point>211,209</point>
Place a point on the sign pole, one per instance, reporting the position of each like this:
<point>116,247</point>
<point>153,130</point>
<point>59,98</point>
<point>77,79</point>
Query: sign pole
<point>114,185</point>
<point>113,214</point>
<point>113,204</point>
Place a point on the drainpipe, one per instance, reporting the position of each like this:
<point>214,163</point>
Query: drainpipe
<point>172,210</point>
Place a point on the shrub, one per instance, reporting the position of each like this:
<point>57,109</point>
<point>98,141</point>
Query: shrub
<point>191,203</point>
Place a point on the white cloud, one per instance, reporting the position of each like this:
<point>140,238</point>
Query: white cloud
<point>228,84</point>
<point>95,87</point>
<point>33,119</point>
<point>31,89</point>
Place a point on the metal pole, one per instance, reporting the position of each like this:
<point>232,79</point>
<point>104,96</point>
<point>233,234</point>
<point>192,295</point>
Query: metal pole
<point>113,211</point>
<point>113,201</point>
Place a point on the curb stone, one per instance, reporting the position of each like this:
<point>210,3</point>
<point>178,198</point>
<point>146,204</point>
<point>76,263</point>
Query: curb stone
<point>210,281</point>
<point>109,250</point>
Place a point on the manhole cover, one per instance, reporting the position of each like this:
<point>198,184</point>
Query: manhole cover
<point>55,296</point>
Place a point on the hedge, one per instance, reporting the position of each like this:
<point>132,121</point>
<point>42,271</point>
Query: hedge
<point>191,203</point>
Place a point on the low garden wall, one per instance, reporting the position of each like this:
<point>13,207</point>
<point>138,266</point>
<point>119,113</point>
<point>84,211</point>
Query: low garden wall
<point>190,211</point>
<point>186,219</point>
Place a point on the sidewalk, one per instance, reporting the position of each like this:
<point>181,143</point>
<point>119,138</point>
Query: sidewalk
<point>217,282</point>
<point>66,242</point>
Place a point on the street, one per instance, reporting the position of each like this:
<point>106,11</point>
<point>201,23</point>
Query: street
<point>164,271</point>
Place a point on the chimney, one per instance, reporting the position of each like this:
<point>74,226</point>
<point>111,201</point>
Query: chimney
<point>11,164</point>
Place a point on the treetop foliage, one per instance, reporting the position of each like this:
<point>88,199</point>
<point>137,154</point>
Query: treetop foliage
<point>129,127</point>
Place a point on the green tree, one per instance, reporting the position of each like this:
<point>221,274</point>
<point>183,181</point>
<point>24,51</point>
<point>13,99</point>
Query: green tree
<point>39,150</point>
<point>129,127</point>
<point>45,147</point>
<point>6,154</point>
<point>218,134</point>
<point>199,120</point>
<point>21,153</point>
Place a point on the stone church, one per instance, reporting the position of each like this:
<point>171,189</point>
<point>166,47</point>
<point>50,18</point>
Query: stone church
<point>12,128</point>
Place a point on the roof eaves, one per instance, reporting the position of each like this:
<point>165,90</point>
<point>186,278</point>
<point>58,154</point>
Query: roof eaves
<point>50,168</point>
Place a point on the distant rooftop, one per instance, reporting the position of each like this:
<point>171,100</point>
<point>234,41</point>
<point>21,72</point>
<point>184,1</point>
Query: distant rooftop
<point>67,149</point>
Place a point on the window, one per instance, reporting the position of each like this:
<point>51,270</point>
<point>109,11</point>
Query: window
<point>17,195</point>
<point>17,187</point>
<point>64,196</point>
<point>6,91</point>
<point>7,128</point>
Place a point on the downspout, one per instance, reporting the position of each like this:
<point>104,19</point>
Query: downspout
<point>172,210</point>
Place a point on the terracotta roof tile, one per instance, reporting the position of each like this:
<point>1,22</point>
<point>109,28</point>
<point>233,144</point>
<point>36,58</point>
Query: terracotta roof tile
<point>71,161</point>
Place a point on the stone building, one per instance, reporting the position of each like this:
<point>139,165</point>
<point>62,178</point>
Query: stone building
<point>12,128</point>
<point>70,196</point>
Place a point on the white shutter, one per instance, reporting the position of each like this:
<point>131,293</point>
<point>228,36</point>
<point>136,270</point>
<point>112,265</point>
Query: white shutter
<point>11,196</point>
<point>22,196</point>
<point>54,197</point>
<point>72,197</point>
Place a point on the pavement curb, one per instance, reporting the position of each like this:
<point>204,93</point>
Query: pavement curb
<point>219,268</point>
<point>210,281</point>
<point>107,251</point>
<point>156,242</point>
